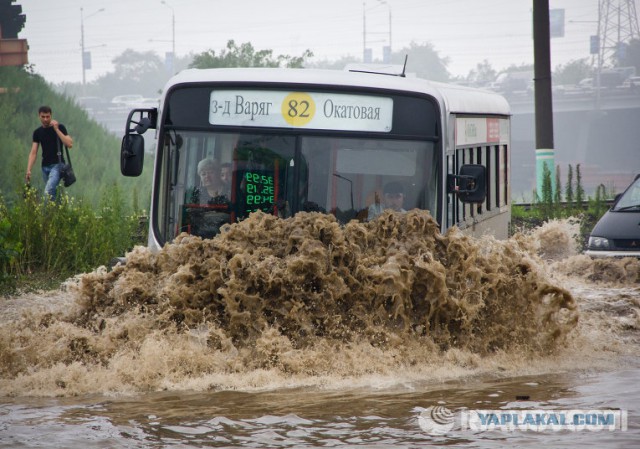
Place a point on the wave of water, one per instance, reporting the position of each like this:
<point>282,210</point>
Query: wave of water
<point>302,302</point>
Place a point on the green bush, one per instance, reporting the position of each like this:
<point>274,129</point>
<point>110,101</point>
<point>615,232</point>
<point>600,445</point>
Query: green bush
<point>9,250</point>
<point>66,236</point>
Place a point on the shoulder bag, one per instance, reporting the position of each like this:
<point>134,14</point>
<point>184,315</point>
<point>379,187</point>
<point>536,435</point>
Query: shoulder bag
<point>66,172</point>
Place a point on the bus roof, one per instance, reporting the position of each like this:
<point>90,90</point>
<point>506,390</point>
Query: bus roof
<point>456,99</point>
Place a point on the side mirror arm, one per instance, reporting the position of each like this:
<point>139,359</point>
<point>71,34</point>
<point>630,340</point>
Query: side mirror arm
<point>148,119</point>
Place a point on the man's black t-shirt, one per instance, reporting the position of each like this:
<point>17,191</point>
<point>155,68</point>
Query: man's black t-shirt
<point>48,140</point>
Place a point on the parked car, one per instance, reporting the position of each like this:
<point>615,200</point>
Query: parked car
<point>126,101</point>
<point>92,104</point>
<point>148,103</point>
<point>586,84</point>
<point>633,83</point>
<point>617,233</point>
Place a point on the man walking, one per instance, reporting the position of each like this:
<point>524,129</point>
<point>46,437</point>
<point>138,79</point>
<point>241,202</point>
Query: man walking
<point>50,136</point>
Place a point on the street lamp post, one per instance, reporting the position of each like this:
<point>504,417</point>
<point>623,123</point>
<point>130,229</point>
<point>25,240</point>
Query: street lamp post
<point>388,6</point>
<point>366,51</point>
<point>84,57</point>
<point>173,36</point>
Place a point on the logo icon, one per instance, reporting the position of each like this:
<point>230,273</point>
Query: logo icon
<point>436,420</point>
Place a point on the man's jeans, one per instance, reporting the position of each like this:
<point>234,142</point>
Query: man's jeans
<point>51,175</point>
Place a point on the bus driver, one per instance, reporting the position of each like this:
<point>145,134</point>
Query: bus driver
<point>393,198</point>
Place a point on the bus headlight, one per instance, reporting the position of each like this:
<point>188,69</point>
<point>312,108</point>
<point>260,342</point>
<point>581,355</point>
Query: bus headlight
<point>599,243</point>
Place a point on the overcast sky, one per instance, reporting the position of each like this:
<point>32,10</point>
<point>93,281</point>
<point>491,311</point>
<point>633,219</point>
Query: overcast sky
<point>465,31</point>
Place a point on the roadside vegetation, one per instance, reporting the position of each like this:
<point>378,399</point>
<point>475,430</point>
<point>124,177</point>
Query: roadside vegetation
<point>93,221</point>
<point>556,202</point>
<point>44,242</point>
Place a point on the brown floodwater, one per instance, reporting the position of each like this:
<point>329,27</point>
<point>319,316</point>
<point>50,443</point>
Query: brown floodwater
<point>305,333</point>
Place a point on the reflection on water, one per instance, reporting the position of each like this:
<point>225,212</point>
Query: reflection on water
<point>300,333</point>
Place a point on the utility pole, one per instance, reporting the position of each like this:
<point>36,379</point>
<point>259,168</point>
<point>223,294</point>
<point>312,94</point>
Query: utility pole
<point>86,57</point>
<point>386,50</point>
<point>365,58</point>
<point>173,37</point>
<point>545,152</point>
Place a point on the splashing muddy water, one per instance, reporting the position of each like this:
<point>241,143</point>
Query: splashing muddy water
<point>316,320</point>
<point>302,297</point>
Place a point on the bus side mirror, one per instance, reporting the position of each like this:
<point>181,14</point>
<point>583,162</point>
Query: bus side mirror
<point>470,184</point>
<point>132,155</point>
<point>132,148</point>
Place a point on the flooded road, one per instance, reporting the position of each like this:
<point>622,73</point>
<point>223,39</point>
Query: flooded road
<point>378,416</point>
<point>325,339</point>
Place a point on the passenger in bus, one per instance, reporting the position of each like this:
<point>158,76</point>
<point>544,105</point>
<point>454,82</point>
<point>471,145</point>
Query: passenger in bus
<point>208,207</point>
<point>212,188</point>
<point>393,198</point>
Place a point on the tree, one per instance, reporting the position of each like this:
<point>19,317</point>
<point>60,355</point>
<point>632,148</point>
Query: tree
<point>557,193</point>
<point>579,188</point>
<point>149,82</point>
<point>572,72</point>
<point>136,66</point>
<point>338,64</point>
<point>547,190</point>
<point>134,72</point>
<point>424,61</point>
<point>519,68</point>
<point>569,188</point>
<point>483,74</point>
<point>632,55</point>
<point>246,56</point>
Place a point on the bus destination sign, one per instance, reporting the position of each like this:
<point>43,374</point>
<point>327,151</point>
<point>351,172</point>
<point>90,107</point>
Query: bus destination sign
<point>312,110</point>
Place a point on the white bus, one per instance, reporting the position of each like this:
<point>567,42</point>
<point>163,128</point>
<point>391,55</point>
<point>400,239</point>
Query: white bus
<point>336,142</point>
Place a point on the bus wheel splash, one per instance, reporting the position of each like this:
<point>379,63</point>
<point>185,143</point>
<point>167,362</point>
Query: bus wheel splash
<point>307,277</point>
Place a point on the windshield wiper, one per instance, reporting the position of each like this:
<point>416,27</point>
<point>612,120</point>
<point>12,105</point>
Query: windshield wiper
<point>635,206</point>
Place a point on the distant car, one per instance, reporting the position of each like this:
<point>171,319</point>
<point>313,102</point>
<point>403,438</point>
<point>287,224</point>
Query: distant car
<point>148,103</point>
<point>586,84</point>
<point>92,104</point>
<point>617,233</point>
<point>633,83</point>
<point>126,101</point>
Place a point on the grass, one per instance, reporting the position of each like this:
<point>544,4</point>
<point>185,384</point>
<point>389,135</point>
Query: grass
<point>32,282</point>
<point>43,242</point>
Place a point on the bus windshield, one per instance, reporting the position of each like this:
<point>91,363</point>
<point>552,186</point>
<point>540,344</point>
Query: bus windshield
<point>209,179</point>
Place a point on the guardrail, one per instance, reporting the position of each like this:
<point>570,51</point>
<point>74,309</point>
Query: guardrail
<point>585,204</point>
